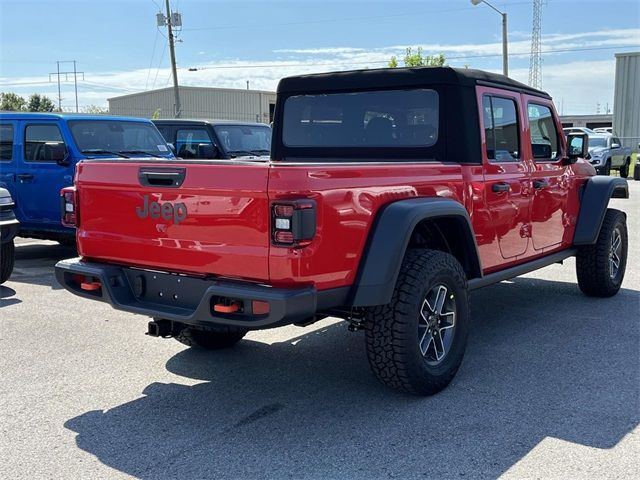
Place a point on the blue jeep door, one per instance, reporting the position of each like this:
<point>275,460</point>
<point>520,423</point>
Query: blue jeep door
<point>7,157</point>
<point>40,174</point>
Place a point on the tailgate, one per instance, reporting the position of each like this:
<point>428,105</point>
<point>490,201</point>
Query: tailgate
<point>208,218</point>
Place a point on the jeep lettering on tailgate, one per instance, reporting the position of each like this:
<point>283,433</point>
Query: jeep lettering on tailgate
<point>168,211</point>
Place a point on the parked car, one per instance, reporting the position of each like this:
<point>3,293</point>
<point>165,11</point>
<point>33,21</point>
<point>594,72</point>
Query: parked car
<point>39,153</point>
<point>387,199</point>
<point>212,139</point>
<point>9,227</point>
<point>606,153</point>
<point>568,130</point>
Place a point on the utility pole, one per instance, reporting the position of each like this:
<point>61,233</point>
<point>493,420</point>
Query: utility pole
<point>58,74</point>
<point>75,81</point>
<point>59,94</point>
<point>173,20</point>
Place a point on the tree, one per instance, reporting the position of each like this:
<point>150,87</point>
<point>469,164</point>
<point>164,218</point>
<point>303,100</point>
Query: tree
<point>40,103</point>
<point>12,102</point>
<point>415,59</point>
<point>95,110</point>
<point>156,114</point>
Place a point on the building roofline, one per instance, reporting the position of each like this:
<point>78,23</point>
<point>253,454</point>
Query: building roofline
<point>185,87</point>
<point>627,54</point>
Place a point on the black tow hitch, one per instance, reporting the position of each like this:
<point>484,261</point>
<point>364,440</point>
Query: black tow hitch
<point>160,328</point>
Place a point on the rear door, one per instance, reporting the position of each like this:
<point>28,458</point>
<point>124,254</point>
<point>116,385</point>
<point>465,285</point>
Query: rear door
<point>7,156</point>
<point>550,178</point>
<point>39,177</point>
<point>506,170</point>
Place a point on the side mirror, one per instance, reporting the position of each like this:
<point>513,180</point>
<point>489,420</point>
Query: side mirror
<point>577,146</point>
<point>172,147</point>
<point>615,145</point>
<point>207,150</point>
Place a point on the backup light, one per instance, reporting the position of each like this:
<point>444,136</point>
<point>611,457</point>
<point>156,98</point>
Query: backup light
<point>293,223</point>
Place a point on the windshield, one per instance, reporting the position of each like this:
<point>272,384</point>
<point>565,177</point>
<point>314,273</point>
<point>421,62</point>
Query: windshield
<point>239,140</point>
<point>393,118</point>
<point>597,142</point>
<point>102,137</point>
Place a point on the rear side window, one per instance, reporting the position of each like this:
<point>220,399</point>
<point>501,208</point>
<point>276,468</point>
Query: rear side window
<point>393,118</point>
<point>544,136</point>
<point>6,141</point>
<point>501,128</point>
<point>188,139</point>
<point>42,143</point>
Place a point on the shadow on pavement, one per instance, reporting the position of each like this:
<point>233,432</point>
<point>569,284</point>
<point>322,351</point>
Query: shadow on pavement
<point>35,263</point>
<point>6,294</point>
<point>553,364</point>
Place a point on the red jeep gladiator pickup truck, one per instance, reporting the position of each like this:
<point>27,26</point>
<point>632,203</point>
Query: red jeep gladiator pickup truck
<point>389,195</point>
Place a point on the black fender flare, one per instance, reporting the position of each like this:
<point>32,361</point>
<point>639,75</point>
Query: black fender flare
<point>388,241</point>
<point>593,205</point>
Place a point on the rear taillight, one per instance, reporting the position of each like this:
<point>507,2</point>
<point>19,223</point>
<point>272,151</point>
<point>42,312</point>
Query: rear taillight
<point>293,223</point>
<point>69,207</point>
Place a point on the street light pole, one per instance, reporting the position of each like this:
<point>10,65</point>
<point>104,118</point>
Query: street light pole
<point>505,54</point>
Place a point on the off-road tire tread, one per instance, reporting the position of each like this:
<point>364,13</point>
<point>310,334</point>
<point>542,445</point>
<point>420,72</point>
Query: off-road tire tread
<point>592,260</point>
<point>210,339</point>
<point>7,259</point>
<point>385,346</point>
<point>624,169</point>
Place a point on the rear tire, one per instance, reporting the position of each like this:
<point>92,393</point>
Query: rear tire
<point>7,260</point>
<point>636,169</point>
<point>216,338</point>
<point>600,267</point>
<point>624,169</point>
<point>412,344</point>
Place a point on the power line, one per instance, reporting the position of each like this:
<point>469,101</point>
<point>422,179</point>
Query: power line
<point>153,53</point>
<point>370,62</point>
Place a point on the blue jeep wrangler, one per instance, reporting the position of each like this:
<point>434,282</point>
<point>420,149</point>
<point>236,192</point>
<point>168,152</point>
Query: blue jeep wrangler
<point>39,152</point>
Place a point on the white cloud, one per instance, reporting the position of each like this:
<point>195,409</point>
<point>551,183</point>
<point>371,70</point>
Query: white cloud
<point>578,85</point>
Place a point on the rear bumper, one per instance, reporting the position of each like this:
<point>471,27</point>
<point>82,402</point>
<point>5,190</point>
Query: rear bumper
<point>186,299</point>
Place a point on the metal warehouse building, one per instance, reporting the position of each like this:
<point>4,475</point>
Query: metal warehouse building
<point>199,102</point>
<point>626,100</point>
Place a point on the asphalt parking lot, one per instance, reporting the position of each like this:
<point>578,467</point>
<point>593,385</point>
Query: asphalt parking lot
<point>550,387</point>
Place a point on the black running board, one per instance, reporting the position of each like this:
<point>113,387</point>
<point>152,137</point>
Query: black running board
<point>518,270</point>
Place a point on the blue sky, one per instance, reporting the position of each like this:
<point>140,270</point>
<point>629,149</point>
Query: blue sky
<point>120,49</point>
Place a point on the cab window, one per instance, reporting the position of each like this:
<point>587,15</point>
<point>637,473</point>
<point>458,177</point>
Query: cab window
<point>6,141</point>
<point>43,143</point>
<point>501,129</point>
<point>188,139</point>
<point>544,136</point>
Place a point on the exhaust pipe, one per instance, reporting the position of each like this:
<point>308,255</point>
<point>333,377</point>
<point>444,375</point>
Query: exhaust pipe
<point>159,328</point>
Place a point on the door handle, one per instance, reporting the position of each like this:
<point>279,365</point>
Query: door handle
<point>500,187</point>
<point>24,176</point>
<point>540,184</point>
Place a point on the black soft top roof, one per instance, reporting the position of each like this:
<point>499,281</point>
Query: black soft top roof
<point>381,78</point>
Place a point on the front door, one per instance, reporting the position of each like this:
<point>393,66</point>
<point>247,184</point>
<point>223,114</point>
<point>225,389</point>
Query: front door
<point>506,171</point>
<point>617,153</point>
<point>550,177</point>
<point>39,177</point>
